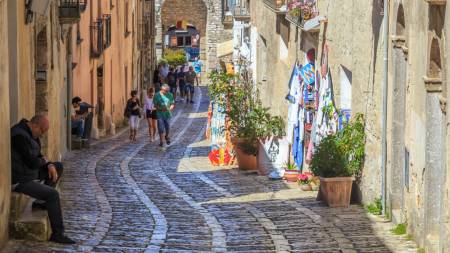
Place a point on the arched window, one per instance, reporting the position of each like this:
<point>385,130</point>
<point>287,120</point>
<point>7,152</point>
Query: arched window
<point>435,65</point>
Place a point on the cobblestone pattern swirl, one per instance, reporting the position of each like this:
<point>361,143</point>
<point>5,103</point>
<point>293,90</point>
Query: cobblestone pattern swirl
<point>122,197</point>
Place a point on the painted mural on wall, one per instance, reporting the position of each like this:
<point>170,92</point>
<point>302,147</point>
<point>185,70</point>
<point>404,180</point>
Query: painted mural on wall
<point>221,152</point>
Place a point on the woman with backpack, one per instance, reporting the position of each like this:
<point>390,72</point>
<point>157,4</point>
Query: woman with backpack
<point>133,113</point>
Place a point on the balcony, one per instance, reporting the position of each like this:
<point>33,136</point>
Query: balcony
<point>241,14</point>
<point>97,45</point>
<point>106,31</point>
<point>277,6</point>
<point>70,11</point>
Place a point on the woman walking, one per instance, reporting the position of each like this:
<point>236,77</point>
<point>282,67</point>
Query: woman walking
<point>150,112</point>
<point>133,109</point>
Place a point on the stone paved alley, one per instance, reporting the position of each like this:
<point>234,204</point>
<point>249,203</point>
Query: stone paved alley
<point>122,197</point>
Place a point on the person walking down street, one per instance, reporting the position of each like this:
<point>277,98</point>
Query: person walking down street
<point>191,77</point>
<point>151,115</point>
<point>181,80</point>
<point>133,112</point>
<point>198,70</point>
<point>172,81</point>
<point>164,104</point>
<point>29,168</point>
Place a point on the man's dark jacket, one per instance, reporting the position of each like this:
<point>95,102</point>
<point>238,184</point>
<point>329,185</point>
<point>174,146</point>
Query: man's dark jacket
<point>26,157</point>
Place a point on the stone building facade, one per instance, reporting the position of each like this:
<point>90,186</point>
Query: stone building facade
<point>34,76</point>
<point>106,56</point>
<point>206,15</point>
<point>53,50</point>
<point>417,182</point>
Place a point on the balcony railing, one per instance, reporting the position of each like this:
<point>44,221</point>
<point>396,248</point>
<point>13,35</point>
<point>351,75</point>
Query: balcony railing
<point>278,6</point>
<point>106,31</point>
<point>70,11</point>
<point>241,13</point>
<point>97,45</point>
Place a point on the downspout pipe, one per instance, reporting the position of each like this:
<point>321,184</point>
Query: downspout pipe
<point>384,115</point>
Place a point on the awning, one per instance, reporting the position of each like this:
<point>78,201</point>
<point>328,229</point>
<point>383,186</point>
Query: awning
<point>224,48</point>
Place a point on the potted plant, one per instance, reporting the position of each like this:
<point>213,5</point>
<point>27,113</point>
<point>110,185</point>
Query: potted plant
<point>291,172</point>
<point>304,180</point>
<point>338,158</point>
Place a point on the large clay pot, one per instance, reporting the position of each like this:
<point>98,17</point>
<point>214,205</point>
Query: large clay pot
<point>336,191</point>
<point>245,161</point>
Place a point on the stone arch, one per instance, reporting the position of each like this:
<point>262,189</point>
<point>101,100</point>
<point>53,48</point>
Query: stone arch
<point>400,24</point>
<point>435,62</point>
<point>211,35</point>
<point>399,179</point>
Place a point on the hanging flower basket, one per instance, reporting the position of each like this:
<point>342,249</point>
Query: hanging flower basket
<point>299,11</point>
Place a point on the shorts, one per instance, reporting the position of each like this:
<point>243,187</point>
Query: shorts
<point>173,90</point>
<point>182,87</point>
<point>189,88</point>
<point>151,114</point>
<point>163,126</point>
<point>134,121</point>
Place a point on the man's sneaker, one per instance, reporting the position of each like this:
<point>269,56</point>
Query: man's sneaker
<point>38,205</point>
<point>59,238</point>
<point>192,101</point>
<point>161,144</point>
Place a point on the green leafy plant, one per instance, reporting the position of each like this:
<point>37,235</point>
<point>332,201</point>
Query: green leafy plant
<point>175,57</point>
<point>341,154</point>
<point>351,140</point>
<point>328,160</point>
<point>400,229</point>
<point>290,166</point>
<point>421,250</point>
<point>250,121</point>
<point>374,208</point>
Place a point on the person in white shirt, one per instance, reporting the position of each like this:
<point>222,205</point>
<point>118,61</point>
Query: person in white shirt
<point>150,112</point>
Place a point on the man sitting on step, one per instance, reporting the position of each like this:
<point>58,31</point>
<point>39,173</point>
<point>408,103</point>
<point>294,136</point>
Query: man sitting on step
<point>29,167</point>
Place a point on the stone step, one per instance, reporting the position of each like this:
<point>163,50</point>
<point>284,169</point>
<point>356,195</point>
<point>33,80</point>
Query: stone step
<point>25,223</point>
<point>32,225</point>
<point>18,204</point>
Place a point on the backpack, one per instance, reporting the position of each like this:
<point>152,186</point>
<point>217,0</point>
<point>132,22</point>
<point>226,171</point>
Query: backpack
<point>127,111</point>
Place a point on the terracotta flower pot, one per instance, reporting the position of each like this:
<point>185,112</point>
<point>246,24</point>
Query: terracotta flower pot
<point>306,187</point>
<point>336,191</point>
<point>245,161</point>
<point>291,175</point>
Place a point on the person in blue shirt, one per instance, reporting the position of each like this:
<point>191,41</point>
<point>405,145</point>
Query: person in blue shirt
<point>198,69</point>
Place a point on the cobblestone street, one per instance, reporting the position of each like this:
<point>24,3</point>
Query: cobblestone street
<point>134,197</point>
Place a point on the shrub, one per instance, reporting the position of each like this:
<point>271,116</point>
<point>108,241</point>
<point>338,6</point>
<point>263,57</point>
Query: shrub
<point>175,57</point>
<point>342,154</point>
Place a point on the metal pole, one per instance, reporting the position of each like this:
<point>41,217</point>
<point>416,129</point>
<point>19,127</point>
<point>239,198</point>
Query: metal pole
<point>384,115</point>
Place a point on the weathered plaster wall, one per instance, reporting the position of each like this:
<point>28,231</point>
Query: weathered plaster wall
<point>5,169</point>
<point>278,46</point>
<point>119,68</point>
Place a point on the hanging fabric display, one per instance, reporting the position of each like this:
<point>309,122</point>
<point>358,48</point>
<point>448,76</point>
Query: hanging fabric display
<point>293,98</point>
<point>272,154</point>
<point>221,150</point>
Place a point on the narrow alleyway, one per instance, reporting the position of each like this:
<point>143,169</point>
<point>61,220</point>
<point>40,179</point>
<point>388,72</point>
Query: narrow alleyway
<point>122,197</point>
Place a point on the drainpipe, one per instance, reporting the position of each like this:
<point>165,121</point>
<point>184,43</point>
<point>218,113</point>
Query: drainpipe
<point>384,115</point>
